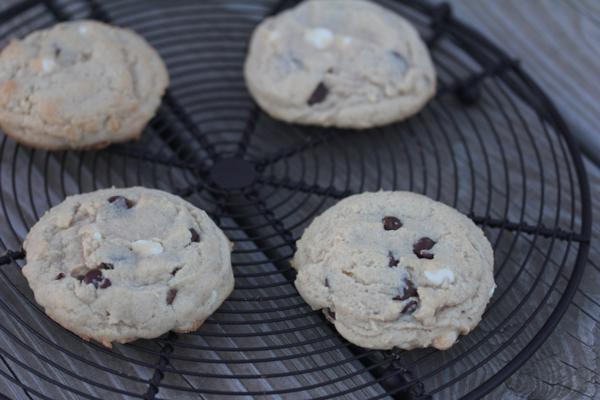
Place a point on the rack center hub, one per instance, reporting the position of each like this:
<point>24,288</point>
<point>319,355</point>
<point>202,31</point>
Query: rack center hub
<point>233,173</point>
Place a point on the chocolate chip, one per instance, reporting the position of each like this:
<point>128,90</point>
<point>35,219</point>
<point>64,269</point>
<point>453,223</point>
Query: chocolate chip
<point>391,223</point>
<point>121,201</point>
<point>318,95</point>
<point>423,244</point>
<point>105,283</point>
<point>106,266</point>
<point>393,262</point>
<point>59,276</point>
<point>409,290</point>
<point>195,235</point>
<point>326,282</point>
<point>171,294</point>
<point>56,51</point>
<point>410,307</point>
<point>95,277</point>
<point>330,315</point>
<point>175,270</point>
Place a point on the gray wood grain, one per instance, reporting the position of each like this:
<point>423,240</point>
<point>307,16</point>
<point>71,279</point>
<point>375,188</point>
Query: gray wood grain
<point>557,42</point>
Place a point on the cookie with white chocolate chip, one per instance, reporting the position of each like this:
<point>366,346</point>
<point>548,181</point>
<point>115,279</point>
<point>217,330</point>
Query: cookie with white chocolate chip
<point>78,85</point>
<point>396,269</point>
<point>343,63</point>
<point>116,265</point>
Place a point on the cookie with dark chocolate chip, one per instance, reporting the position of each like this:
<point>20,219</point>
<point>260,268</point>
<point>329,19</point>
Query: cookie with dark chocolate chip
<point>116,265</point>
<point>344,63</point>
<point>397,269</point>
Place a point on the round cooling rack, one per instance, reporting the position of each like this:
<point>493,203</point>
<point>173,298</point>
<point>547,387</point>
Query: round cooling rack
<point>490,144</point>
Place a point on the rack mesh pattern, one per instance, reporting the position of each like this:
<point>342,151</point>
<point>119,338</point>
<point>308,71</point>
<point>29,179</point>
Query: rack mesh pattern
<point>478,146</point>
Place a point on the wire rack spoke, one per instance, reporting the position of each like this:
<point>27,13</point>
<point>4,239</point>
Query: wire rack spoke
<point>11,256</point>
<point>163,361</point>
<point>244,142</point>
<point>304,187</point>
<point>311,140</point>
<point>157,158</point>
<point>189,124</point>
<point>541,229</point>
<point>275,222</point>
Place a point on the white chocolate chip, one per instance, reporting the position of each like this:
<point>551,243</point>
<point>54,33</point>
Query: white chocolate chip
<point>492,290</point>
<point>97,235</point>
<point>438,277</point>
<point>83,29</point>
<point>48,64</point>
<point>274,35</point>
<point>346,40</point>
<point>147,247</point>
<point>321,38</point>
<point>213,297</point>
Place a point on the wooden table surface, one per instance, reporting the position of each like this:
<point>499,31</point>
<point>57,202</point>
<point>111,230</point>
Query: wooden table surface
<point>558,43</point>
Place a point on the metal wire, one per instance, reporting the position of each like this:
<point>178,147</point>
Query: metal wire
<point>481,146</point>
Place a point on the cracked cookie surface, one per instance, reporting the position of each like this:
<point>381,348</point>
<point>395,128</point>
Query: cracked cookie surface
<point>116,265</point>
<point>344,63</point>
<point>396,269</point>
<point>81,84</point>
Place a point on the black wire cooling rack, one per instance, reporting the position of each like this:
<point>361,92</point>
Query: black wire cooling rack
<point>490,144</point>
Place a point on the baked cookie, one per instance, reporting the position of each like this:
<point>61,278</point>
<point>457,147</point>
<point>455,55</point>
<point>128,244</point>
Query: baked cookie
<point>344,63</point>
<point>79,85</point>
<point>116,265</point>
<point>396,269</point>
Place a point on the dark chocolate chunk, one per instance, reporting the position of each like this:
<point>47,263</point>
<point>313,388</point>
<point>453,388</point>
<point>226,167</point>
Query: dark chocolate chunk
<point>393,262</point>
<point>56,51</point>
<point>195,235</point>
<point>318,95</point>
<point>106,266</point>
<point>60,276</point>
<point>95,277</point>
<point>410,307</point>
<point>391,223</point>
<point>121,201</point>
<point>409,291</point>
<point>423,244</point>
<point>175,270</point>
<point>171,294</point>
<point>326,282</point>
<point>105,283</point>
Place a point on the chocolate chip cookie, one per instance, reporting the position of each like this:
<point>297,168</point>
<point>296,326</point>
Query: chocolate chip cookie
<point>396,269</point>
<point>344,63</point>
<point>116,265</point>
<point>80,84</point>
